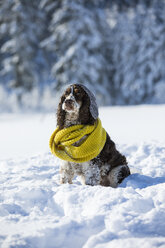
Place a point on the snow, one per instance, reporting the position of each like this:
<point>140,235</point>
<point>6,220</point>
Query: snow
<point>36,211</point>
<point>144,123</point>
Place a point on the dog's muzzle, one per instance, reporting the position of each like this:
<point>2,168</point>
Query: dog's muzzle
<point>69,104</point>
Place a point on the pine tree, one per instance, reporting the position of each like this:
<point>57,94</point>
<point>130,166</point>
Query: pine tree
<point>125,45</point>
<point>21,24</point>
<point>149,66</point>
<point>79,39</point>
<point>159,55</point>
<point>138,55</point>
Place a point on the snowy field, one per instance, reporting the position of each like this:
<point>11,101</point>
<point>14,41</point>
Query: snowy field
<point>36,211</point>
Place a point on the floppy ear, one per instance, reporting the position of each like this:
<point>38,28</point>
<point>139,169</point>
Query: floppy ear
<point>61,113</point>
<point>85,116</point>
<point>92,105</point>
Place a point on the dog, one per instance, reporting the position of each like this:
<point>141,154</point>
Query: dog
<point>109,168</point>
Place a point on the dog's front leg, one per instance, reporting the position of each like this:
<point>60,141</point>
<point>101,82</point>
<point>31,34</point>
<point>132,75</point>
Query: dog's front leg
<point>90,174</point>
<point>66,172</point>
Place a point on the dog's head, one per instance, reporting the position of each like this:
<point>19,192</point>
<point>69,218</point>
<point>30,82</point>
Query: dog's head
<point>79,102</point>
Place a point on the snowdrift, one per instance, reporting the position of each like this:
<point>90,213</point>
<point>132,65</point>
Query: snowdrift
<point>36,211</point>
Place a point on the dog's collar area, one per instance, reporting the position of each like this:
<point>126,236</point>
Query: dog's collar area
<point>62,142</point>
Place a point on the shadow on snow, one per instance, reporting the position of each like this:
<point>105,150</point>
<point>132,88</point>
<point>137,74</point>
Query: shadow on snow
<point>141,181</point>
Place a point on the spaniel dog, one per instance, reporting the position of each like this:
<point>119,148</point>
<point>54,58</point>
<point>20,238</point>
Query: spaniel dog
<point>109,168</point>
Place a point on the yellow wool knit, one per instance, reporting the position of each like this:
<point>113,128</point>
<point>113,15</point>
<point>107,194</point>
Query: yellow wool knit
<point>62,142</point>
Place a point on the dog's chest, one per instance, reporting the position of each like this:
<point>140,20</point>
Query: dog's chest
<point>71,118</point>
<point>81,168</point>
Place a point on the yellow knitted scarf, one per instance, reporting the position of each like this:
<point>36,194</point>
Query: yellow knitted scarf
<point>91,141</point>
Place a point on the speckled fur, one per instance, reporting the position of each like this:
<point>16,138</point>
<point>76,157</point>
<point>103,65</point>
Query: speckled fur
<point>109,168</point>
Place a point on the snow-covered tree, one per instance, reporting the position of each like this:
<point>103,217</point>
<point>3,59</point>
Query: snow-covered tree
<point>138,55</point>
<point>20,22</point>
<point>124,43</point>
<point>158,10</point>
<point>79,39</point>
<point>116,47</point>
<point>150,55</point>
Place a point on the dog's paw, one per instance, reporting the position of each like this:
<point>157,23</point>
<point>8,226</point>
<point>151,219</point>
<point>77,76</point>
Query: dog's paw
<point>117,175</point>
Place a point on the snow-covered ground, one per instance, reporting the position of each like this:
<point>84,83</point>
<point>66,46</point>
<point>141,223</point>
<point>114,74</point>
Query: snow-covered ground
<point>36,211</point>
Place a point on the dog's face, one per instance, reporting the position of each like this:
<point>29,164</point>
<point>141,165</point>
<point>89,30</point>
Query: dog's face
<point>73,99</point>
<point>74,107</point>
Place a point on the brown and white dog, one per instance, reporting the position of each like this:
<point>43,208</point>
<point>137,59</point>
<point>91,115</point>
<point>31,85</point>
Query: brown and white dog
<point>109,168</point>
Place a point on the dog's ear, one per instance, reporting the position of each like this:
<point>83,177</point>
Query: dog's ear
<point>92,105</point>
<point>60,113</point>
<point>85,116</point>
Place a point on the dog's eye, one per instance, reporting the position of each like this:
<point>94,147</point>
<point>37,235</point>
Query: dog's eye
<point>67,92</point>
<point>77,92</point>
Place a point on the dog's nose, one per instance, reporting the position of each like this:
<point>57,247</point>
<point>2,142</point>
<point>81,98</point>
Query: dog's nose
<point>69,102</point>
